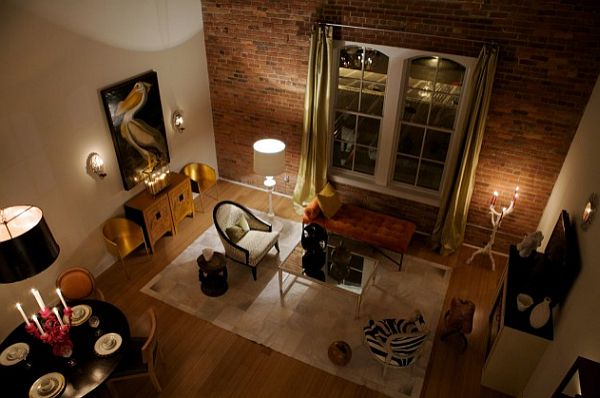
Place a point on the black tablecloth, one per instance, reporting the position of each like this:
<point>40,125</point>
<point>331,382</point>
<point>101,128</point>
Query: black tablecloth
<point>89,370</point>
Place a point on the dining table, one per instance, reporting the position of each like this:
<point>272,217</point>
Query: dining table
<point>83,371</point>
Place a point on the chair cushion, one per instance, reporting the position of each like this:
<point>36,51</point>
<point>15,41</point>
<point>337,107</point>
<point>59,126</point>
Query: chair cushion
<point>258,243</point>
<point>329,201</point>
<point>76,285</point>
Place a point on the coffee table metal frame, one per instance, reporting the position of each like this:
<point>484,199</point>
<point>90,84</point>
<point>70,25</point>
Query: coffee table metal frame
<point>295,272</point>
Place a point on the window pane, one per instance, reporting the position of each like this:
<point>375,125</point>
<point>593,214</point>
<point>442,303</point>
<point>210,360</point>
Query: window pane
<point>348,93</point>
<point>450,77</point>
<point>443,111</point>
<point>430,175</point>
<point>342,155</point>
<point>351,58</point>
<point>368,131</point>
<point>344,128</point>
<point>411,140</point>
<point>416,109</point>
<point>423,68</point>
<point>376,66</point>
<point>372,98</point>
<point>365,160</point>
<point>436,145</point>
<point>405,169</point>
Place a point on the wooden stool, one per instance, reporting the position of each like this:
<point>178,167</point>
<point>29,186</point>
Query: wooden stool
<point>213,275</point>
<point>459,319</point>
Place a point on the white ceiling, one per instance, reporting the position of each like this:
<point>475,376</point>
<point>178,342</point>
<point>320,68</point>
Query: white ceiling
<point>141,25</point>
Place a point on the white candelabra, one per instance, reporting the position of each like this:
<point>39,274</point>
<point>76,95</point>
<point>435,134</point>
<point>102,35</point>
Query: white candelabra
<point>496,218</point>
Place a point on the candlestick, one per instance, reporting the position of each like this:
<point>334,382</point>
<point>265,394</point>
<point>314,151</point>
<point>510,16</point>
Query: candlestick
<point>515,195</point>
<point>23,313</point>
<point>494,197</point>
<point>39,299</point>
<point>62,299</point>
<point>37,323</point>
<point>55,310</point>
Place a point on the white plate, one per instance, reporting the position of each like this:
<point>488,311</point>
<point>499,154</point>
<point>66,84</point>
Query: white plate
<point>14,354</point>
<point>49,385</point>
<point>108,344</point>
<point>81,313</point>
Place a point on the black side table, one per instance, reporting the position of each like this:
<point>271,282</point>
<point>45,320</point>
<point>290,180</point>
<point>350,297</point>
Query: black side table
<point>213,275</point>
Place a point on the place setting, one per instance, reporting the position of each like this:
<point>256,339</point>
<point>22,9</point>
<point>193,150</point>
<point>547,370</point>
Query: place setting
<point>14,354</point>
<point>50,385</point>
<point>81,313</point>
<point>108,344</point>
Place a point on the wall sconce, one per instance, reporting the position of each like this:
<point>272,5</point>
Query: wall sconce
<point>177,121</point>
<point>588,212</point>
<point>95,165</point>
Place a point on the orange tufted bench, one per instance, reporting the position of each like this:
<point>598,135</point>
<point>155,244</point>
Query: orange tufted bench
<point>376,229</point>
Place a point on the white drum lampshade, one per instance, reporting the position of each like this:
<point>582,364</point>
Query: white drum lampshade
<point>269,161</point>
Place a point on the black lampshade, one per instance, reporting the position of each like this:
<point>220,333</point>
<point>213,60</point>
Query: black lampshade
<point>27,246</point>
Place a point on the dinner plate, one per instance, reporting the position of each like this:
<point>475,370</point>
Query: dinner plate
<point>108,344</point>
<point>49,385</point>
<point>81,313</point>
<point>14,353</point>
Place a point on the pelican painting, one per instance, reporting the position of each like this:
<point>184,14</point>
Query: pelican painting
<point>137,126</point>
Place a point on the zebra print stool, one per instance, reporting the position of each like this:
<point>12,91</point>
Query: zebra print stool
<point>396,342</point>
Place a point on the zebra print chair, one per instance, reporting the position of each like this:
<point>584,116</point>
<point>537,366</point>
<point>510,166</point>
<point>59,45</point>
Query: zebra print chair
<point>396,342</point>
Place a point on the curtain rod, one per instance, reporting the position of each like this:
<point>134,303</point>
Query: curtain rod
<point>337,25</point>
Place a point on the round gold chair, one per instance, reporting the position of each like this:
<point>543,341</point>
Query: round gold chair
<point>204,179</point>
<point>122,236</point>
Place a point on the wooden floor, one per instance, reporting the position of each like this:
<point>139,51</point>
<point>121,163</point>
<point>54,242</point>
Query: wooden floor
<point>202,360</point>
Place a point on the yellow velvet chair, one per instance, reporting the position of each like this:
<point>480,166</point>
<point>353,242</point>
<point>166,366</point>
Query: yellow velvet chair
<point>204,179</point>
<point>78,283</point>
<point>122,236</point>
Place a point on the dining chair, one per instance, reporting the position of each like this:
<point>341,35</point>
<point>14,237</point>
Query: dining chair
<point>122,236</point>
<point>141,356</point>
<point>78,283</point>
<point>204,179</point>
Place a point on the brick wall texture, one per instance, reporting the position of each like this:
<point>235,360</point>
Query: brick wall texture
<point>549,59</point>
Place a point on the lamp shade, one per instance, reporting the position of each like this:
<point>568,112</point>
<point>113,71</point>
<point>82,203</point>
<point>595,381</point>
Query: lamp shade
<point>269,157</point>
<point>27,246</point>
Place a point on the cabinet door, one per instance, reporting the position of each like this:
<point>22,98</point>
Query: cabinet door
<point>180,199</point>
<point>157,218</point>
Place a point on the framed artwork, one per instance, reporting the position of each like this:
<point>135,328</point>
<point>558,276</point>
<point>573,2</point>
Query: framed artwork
<point>134,113</point>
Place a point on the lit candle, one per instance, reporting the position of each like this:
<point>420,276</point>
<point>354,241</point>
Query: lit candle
<point>62,299</point>
<point>38,298</point>
<point>494,197</point>
<point>37,323</point>
<point>23,314</point>
<point>55,310</point>
<point>516,195</point>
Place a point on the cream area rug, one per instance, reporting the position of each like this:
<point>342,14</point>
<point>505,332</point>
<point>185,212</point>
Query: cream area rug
<point>310,317</point>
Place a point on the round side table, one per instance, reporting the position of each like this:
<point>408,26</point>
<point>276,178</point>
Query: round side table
<point>213,275</point>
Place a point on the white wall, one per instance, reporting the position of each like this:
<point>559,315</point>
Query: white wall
<point>578,329</point>
<point>51,117</point>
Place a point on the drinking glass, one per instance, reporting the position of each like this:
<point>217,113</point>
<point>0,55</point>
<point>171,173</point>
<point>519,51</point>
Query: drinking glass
<point>94,322</point>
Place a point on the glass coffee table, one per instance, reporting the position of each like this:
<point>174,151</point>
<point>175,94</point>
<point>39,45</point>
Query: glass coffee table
<point>356,283</point>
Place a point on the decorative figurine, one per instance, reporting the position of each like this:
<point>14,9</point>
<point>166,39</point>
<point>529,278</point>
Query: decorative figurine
<point>529,243</point>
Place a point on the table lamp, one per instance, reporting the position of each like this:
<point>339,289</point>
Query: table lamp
<point>269,161</point>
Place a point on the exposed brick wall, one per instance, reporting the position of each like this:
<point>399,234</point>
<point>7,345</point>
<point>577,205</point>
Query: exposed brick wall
<point>549,60</point>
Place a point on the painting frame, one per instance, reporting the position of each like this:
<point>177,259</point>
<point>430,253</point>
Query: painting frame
<point>135,119</point>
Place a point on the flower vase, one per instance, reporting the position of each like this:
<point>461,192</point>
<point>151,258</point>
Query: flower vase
<point>540,314</point>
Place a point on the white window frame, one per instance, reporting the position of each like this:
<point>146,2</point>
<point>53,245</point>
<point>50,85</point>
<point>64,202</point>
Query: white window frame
<point>382,181</point>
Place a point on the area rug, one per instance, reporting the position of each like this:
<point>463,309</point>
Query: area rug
<point>310,317</point>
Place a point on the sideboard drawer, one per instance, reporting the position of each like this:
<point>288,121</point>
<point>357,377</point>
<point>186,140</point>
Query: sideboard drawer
<point>158,219</point>
<point>181,202</point>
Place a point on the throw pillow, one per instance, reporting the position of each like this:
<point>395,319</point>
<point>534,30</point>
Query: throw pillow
<point>235,233</point>
<point>243,223</point>
<point>312,210</point>
<point>329,201</point>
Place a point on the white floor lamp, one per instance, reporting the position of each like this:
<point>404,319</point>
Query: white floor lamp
<point>269,161</point>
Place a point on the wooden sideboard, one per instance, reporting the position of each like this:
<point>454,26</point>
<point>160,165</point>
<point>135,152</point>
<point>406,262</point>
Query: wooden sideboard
<point>161,213</point>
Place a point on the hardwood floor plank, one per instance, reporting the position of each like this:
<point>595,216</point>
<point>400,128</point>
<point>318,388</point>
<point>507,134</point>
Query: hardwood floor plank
<point>202,360</point>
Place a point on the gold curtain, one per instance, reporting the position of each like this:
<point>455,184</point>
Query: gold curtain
<point>312,172</point>
<point>449,230</point>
